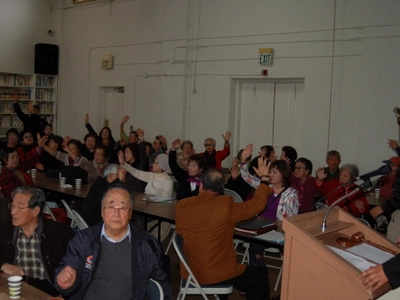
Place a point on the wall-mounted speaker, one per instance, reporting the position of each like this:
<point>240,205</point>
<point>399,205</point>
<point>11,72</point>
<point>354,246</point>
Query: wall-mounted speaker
<point>46,59</point>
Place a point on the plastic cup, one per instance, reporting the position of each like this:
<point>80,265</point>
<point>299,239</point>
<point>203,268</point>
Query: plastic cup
<point>377,193</point>
<point>62,181</point>
<point>78,183</point>
<point>14,286</point>
<point>33,173</point>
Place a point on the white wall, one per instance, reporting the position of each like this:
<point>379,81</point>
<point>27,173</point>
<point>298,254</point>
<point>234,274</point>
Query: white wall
<point>348,97</point>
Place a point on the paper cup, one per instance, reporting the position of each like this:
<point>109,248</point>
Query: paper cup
<point>33,173</point>
<point>377,193</point>
<point>78,183</point>
<point>14,286</point>
<point>62,180</point>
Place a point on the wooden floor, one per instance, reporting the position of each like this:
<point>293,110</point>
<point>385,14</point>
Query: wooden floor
<point>272,273</point>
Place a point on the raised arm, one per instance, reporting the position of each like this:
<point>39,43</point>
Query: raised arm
<point>122,133</point>
<point>253,181</point>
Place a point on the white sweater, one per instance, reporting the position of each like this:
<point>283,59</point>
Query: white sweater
<point>157,184</point>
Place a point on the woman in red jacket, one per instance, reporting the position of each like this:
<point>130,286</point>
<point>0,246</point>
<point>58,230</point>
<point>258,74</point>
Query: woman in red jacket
<point>356,204</point>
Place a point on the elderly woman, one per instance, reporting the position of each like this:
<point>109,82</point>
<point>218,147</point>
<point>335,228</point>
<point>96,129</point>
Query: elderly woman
<point>304,184</point>
<point>73,156</point>
<point>28,151</point>
<point>182,157</point>
<point>213,157</point>
<point>188,181</point>
<point>12,176</point>
<point>96,166</point>
<point>158,181</point>
<point>356,204</point>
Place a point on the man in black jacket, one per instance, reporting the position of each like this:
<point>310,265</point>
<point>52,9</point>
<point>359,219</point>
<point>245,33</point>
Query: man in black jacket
<point>32,246</point>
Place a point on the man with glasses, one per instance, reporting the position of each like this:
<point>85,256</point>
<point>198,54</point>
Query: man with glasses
<point>32,246</point>
<point>114,259</point>
<point>214,158</point>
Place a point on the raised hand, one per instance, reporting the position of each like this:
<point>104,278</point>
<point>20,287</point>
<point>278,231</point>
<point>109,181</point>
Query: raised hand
<point>140,132</point>
<point>42,140</point>
<point>86,118</point>
<point>162,139</point>
<point>393,144</point>
<point>121,158</point>
<point>262,152</point>
<point>321,175</point>
<point>246,153</point>
<point>227,136</point>
<point>234,170</point>
<point>176,144</point>
<point>263,167</point>
<point>66,278</point>
<point>124,119</point>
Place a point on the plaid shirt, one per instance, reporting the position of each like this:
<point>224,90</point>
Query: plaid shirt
<point>28,255</point>
<point>9,181</point>
<point>28,159</point>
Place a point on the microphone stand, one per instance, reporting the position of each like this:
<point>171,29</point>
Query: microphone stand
<point>334,204</point>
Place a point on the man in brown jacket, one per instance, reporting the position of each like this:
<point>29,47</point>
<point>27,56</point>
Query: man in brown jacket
<point>207,222</point>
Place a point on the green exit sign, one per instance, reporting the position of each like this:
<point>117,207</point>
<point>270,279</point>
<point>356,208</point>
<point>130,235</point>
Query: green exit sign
<point>265,56</point>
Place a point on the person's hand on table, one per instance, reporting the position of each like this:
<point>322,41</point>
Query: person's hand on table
<point>10,269</point>
<point>376,211</point>
<point>66,278</point>
<point>374,278</point>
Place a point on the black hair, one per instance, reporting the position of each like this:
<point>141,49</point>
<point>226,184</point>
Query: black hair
<point>307,164</point>
<point>290,153</point>
<point>106,151</point>
<point>283,167</point>
<point>200,160</point>
<point>77,143</point>
<point>6,153</point>
<point>12,130</point>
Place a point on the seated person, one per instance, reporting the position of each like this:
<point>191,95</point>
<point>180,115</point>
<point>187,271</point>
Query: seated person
<point>356,204</point>
<point>159,146</point>
<point>386,183</point>
<point>96,166</point>
<point>32,246</point>
<point>104,137</point>
<point>289,154</point>
<point>12,136</point>
<point>213,157</point>
<point>210,251</point>
<point>73,156</point>
<point>182,157</point>
<point>188,181</point>
<point>91,209</point>
<point>125,139</point>
<point>113,259</point>
<point>28,151</point>
<point>89,144</point>
<point>48,161</point>
<point>11,175</point>
<point>159,183</point>
<point>304,184</point>
<point>333,160</point>
<point>283,201</point>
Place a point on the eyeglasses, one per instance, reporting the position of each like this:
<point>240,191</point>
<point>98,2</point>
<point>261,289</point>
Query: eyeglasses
<point>16,208</point>
<point>112,209</point>
<point>299,168</point>
<point>208,145</point>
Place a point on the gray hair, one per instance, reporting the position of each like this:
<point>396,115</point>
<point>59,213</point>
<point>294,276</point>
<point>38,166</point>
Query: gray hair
<point>210,139</point>
<point>37,196</point>
<point>352,168</point>
<point>333,153</point>
<point>120,186</point>
<point>111,169</point>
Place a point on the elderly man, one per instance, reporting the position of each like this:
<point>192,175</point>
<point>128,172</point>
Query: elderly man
<point>114,259</point>
<point>32,246</point>
<point>208,245</point>
<point>91,209</point>
<point>214,158</point>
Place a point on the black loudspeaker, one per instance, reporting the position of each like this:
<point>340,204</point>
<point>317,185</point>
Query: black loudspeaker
<point>46,59</point>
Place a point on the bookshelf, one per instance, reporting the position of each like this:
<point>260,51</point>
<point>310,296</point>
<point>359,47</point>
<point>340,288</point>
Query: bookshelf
<point>38,89</point>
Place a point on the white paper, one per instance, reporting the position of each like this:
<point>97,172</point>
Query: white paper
<point>273,236</point>
<point>359,262</point>
<point>371,253</point>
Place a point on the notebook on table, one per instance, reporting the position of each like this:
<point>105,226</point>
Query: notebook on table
<point>256,226</point>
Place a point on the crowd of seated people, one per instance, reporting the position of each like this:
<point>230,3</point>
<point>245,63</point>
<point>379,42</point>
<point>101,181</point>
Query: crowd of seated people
<point>152,168</point>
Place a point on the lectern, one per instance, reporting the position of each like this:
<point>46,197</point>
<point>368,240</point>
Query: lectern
<point>313,271</point>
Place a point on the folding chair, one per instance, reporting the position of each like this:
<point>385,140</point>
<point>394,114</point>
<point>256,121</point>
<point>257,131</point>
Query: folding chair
<point>47,210</point>
<point>191,286</point>
<point>154,290</point>
<point>79,221</point>
<point>70,213</point>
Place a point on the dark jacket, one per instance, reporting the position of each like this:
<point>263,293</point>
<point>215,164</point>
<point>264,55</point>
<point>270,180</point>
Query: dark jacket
<point>32,122</point>
<point>394,202</point>
<point>147,261</point>
<point>54,238</point>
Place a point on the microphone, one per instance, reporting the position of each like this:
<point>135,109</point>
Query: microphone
<point>385,169</point>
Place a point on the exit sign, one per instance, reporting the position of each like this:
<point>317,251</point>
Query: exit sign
<point>265,56</point>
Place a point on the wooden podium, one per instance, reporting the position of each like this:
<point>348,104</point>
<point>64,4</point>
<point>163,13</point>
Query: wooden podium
<point>313,271</point>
